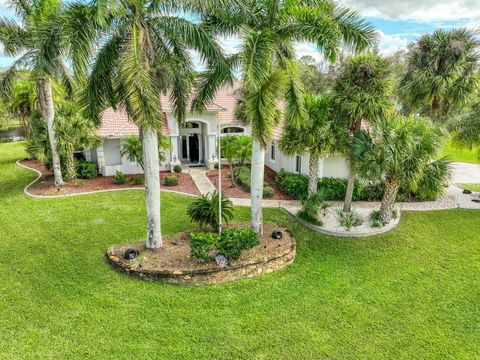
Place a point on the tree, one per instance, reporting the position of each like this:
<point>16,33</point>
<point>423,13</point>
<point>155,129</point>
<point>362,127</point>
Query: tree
<point>22,102</point>
<point>267,60</point>
<point>144,51</point>
<point>466,129</point>
<point>361,93</point>
<point>398,152</point>
<point>132,148</point>
<point>318,135</point>
<point>237,150</point>
<point>39,44</point>
<point>441,73</point>
<point>317,77</point>
<point>73,132</point>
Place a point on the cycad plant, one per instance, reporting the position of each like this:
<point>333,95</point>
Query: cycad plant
<point>144,49</point>
<point>361,94</point>
<point>398,152</point>
<point>39,44</point>
<point>268,30</point>
<point>441,75</point>
<point>319,135</point>
<point>204,210</point>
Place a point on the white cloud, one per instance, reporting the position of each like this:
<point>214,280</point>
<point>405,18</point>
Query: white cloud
<point>388,44</point>
<point>417,9</point>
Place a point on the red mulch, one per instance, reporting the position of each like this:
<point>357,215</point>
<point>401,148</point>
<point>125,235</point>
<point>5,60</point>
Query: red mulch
<point>44,186</point>
<point>238,192</point>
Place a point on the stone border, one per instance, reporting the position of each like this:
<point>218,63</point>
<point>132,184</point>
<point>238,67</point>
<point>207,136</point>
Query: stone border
<point>212,276</point>
<point>39,175</point>
<point>347,234</point>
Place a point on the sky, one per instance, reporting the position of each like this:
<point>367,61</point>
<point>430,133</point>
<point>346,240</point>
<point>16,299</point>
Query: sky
<point>398,22</point>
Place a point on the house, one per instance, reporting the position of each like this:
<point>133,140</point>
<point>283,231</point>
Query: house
<point>194,141</point>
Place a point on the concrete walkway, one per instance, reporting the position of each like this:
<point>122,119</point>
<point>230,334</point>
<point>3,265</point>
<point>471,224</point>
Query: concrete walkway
<point>200,178</point>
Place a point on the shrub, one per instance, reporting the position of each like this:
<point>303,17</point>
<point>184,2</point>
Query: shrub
<point>178,169</point>
<point>120,178</point>
<point>170,181</point>
<point>204,210</point>
<point>215,166</point>
<point>268,192</point>
<point>435,177</point>
<point>294,185</point>
<point>234,241</point>
<point>202,245</point>
<point>79,182</point>
<point>138,180</point>
<point>375,219</point>
<point>87,170</point>
<point>311,208</point>
<point>349,220</point>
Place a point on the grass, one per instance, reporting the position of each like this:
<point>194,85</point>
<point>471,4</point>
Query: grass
<point>460,154</point>
<point>472,187</point>
<point>410,294</point>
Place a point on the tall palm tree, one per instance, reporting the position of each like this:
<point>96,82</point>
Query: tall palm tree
<point>441,73</point>
<point>361,93</point>
<point>267,60</point>
<point>466,129</point>
<point>143,51</point>
<point>318,135</point>
<point>38,42</point>
<point>398,151</point>
<point>22,101</point>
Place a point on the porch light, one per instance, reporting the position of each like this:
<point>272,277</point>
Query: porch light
<point>174,158</point>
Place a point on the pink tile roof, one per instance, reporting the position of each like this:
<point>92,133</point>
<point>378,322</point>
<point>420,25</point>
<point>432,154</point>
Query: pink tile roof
<point>116,124</point>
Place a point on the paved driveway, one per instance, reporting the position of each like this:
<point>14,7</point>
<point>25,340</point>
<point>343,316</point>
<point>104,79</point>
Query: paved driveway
<point>465,173</point>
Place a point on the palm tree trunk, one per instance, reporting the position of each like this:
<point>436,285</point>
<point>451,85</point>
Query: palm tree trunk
<point>388,200</point>
<point>257,173</point>
<point>45,104</point>
<point>152,188</point>
<point>435,108</point>
<point>347,205</point>
<point>313,174</point>
<point>70,165</point>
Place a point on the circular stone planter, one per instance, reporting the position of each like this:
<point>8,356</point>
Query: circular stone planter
<point>172,263</point>
<point>332,227</point>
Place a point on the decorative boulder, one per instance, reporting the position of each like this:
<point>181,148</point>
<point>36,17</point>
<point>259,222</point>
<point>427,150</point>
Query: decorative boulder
<point>221,260</point>
<point>467,192</point>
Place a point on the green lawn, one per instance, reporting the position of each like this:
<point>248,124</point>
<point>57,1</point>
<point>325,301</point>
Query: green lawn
<point>460,154</point>
<point>473,187</point>
<point>410,294</point>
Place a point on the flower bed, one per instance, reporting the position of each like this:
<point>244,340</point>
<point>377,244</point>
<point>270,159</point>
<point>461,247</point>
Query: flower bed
<point>44,185</point>
<point>173,263</point>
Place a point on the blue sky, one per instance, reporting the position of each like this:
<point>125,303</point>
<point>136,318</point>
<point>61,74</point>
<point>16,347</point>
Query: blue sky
<point>398,21</point>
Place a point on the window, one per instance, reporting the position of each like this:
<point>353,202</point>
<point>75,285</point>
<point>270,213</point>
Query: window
<point>273,150</point>
<point>132,160</point>
<point>232,130</point>
<point>298,164</point>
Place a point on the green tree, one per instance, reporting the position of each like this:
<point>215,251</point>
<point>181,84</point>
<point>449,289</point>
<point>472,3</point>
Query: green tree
<point>144,51</point>
<point>268,30</point>
<point>237,150</point>
<point>132,148</point>
<point>398,152</point>
<point>38,43</point>
<point>22,102</point>
<point>319,135</point>
<point>441,73</point>
<point>317,77</point>
<point>466,129</point>
<point>362,93</point>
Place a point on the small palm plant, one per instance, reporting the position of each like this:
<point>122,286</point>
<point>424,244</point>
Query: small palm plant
<point>398,152</point>
<point>204,210</point>
<point>132,148</point>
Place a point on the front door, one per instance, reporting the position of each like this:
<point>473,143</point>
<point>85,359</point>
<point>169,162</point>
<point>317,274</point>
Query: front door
<point>190,148</point>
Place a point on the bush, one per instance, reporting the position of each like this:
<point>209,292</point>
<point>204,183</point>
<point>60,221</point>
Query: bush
<point>202,245</point>
<point>349,220</point>
<point>79,182</point>
<point>234,241</point>
<point>204,210</point>
<point>215,166</point>
<point>268,192</point>
<point>311,208</point>
<point>435,177</point>
<point>120,178</point>
<point>178,169</point>
<point>170,181</point>
<point>138,180</point>
<point>87,170</point>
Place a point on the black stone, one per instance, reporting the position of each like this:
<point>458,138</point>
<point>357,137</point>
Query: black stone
<point>130,254</point>
<point>277,234</point>
<point>476,200</point>
<point>467,192</point>
<point>221,260</point>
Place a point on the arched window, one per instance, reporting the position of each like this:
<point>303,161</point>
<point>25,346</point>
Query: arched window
<point>192,125</point>
<point>232,130</point>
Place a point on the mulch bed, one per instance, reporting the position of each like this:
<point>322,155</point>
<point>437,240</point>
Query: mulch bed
<point>238,192</point>
<point>44,185</point>
<point>172,263</point>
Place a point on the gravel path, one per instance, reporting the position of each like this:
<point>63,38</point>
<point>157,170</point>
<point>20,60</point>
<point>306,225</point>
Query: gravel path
<point>466,173</point>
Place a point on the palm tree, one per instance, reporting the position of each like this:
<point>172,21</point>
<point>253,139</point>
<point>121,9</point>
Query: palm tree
<point>318,135</point>
<point>267,60</point>
<point>73,132</point>
<point>466,129</point>
<point>361,93</point>
<point>22,102</point>
<point>39,44</point>
<point>398,152</point>
<point>144,51</point>
<point>441,73</point>
<point>132,148</point>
